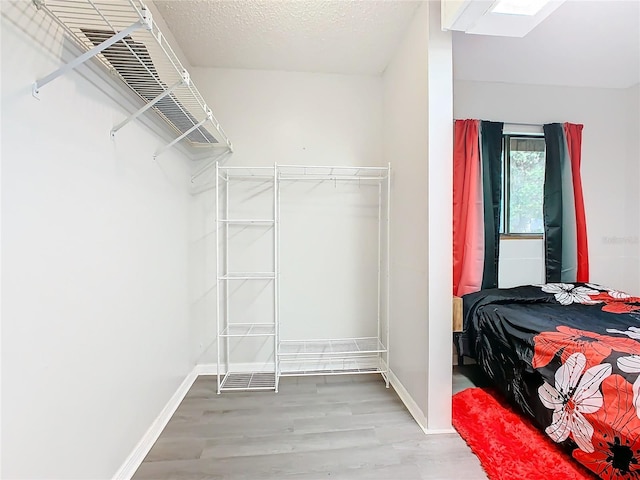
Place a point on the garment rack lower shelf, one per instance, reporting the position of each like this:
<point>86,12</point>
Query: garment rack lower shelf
<point>248,381</point>
<point>334,356</point>
<point>338,346</point>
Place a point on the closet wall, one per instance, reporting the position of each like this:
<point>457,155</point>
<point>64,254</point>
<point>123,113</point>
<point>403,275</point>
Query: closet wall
<point>406,103</point>
<point>418,143</point>
<point>308,119</point>
<point>94,268</point>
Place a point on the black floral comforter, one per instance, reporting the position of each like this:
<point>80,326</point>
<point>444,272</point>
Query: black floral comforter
<point>568,355</point>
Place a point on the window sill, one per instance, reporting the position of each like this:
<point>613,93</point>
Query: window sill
<point>521,236</point>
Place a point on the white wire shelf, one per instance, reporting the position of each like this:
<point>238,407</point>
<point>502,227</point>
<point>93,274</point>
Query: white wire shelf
<point>233,221</point>
<point>341,346</point>
<point>248,276</point>
<point>249,330</point>
<point>302,371</point>
<point>368,363</point>
<point>249,381</point>
<point>122,35</point>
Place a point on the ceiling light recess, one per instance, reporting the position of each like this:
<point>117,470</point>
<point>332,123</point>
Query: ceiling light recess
<point>501,18</point>
<point>518,7</point>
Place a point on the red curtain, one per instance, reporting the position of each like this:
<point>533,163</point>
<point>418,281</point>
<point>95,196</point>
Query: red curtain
<point>573,135</point>
<point>468,233</point>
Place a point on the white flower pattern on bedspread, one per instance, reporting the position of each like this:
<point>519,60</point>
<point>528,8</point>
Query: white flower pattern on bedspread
<point>618,294</point>
<point>574,394</point>
<point>568,293</point>
<point>631,332</point>
<point>631,364</point>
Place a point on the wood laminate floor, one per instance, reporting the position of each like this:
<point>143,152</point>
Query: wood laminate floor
<point>345,427</point>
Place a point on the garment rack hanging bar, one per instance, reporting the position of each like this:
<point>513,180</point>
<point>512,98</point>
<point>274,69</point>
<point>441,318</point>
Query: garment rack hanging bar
<point>334,167</point>
<point>270,169</point>
<point>338,178</point>
<point>264,178</point>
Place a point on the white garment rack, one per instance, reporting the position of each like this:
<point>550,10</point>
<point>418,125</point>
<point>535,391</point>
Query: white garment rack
<point>122,35</point>
<point>302,356</point>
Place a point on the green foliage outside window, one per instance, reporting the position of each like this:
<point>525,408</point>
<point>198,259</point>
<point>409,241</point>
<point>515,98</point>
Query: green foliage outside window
<point>524,187</point>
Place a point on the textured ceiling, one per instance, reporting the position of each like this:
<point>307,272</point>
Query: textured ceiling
<point>338,36</point>
<point>583,43</point>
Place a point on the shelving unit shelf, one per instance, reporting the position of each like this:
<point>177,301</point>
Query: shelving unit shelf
<point>248,276</point>
<point>335,356</point>
<point>249,330</point>
<point>247,222</point>
<point>248,381</point>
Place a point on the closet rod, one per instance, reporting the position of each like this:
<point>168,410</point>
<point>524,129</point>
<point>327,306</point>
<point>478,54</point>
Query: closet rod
<point>315,177</point>
<point>264,177</point>
<point>516,123</point>
<point>237,167</point>
<point>342,167</point>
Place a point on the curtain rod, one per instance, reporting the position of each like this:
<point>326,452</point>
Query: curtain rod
<point>514,123</point>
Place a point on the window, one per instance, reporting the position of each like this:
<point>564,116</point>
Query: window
<point>523,158</point>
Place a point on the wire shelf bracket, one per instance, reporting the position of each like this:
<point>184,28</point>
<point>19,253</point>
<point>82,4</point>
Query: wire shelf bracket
<point>123,37</point>
<point>145,22</point>
<point>184,81</point>
<point>176,140</point>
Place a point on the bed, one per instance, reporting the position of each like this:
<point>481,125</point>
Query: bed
<point>568,356</point>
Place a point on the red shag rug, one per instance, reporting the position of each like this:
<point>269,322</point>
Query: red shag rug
<point>509,447</point>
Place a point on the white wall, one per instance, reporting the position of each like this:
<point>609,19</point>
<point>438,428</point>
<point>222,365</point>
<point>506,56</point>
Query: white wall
<point>406,146</point>
<point>440,221</point>
<point>417,125</point>
<point>328,230</point>
<point>521,262</point>
<point>94,273</point>
<point>606,159</point>
<point>297,118</point>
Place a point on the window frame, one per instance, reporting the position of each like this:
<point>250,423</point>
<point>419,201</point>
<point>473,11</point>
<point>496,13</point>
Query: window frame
<point>506,180</point>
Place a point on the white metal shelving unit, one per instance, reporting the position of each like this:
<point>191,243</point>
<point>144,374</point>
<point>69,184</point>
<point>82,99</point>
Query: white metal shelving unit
<point>345,355</point>
<point>229,378</point>
<point>300,356</point>
<point>123,37</point>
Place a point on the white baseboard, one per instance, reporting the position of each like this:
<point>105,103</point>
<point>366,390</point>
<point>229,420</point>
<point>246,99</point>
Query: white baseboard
<point>408,401</point>
<point>438,431</point>
<point>133,461</point>
<point>413,408</point>
<point>135,458</point>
